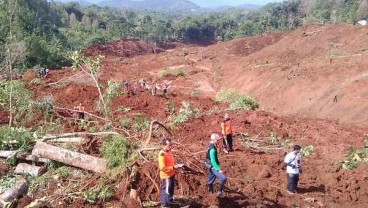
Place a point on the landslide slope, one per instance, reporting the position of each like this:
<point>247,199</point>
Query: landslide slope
<point>318,71</point>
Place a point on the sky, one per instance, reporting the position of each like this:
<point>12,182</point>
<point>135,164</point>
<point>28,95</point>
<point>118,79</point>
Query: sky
<point>207,3</point>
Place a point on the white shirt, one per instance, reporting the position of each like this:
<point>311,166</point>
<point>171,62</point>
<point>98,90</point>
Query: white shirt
<point>293,160</point>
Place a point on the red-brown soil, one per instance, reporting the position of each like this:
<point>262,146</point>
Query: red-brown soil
<point>260,66</point>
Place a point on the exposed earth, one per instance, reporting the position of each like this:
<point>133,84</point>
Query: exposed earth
<point>310,84</point>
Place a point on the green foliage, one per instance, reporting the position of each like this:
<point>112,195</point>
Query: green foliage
<point>125,123</point>
<point>235,99</point>
<point>117,151</point>
<point>36,81</point>
<point>6,182</point>
<point>195,93</point>
<point>101,191</point>
<point>36,183</point>
<point>354,157</point>
<point>15,138</point>
<point>64,172</point>
<point>113,90</point>
<point>186,112</point>
<point>307,150</point>
<point>170,107</point>
<point>124,109</point>
<point>274,139</point>
<point>21,100</point>
<point>140,123</point>
<point>173,72</point>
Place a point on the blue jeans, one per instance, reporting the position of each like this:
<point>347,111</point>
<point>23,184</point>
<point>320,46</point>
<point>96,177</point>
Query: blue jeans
<point>292,182</point>
<point>213,174</point>
<point>167,191</point>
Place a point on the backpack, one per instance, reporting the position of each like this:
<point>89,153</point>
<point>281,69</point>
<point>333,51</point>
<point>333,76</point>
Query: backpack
<point>207,161</point>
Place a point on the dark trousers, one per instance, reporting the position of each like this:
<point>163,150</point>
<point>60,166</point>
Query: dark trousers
<point>292,181</point>
<point>228,142</point>
<point>213,174</point>
<point>167,191</point>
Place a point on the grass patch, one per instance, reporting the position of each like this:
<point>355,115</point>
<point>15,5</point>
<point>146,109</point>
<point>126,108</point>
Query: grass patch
<point>334,54</point>
<point>125,123</point>
<point>7,182</point>
<point>236,100</point>
<point>195,93</point>
<point>174,72</point>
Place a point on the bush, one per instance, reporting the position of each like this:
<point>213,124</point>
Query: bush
<point>15,138</point>
<point>125,123</point>
<point>140,123</point>
<point>185,113</point>
<point>354,157</point>
<point>116,150</point>
<point>173,72</point>
<point>236,100</point>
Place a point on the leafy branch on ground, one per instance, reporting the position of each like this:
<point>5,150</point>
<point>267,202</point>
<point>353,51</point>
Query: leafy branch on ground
<point>12,138</point>
<point>354,157</point>
<point>235,100</point>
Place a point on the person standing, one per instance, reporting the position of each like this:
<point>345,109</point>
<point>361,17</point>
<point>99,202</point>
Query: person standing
<point>227,133</point>
<point>167,173</point>
<point>293,169</point>
<point>214,169</point>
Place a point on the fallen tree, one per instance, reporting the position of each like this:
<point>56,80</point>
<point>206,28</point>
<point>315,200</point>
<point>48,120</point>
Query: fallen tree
<point>76,159</point>
<point>17,190</point>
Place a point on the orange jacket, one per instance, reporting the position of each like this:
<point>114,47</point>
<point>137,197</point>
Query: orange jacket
<point>226,127</point>
<point>165,164</point>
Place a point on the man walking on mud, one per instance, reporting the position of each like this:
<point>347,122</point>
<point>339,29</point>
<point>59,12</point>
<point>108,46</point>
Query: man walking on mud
<point>293,169</point>
<point>227,133</point>
<point>167,173</point>
<point>213,166</point>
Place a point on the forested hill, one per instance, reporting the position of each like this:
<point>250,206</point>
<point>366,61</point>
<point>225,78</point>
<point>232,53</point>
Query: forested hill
<point>39,32</point>
<point>159,5</point>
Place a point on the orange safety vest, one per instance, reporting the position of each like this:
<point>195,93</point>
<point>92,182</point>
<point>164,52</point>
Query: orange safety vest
<point>165,164</point>
<point>226,127</point>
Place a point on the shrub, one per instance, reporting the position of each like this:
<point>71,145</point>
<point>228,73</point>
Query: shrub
<point>113,90</point>
<point>354,157</point>
<point>236,100</point>
<point>140,123</point>
<point>125,123</point>
<point>186,112</point>
<point>173,72</point>
<point>15,138</point>
<point>307,150</point>
<point>116,150</point>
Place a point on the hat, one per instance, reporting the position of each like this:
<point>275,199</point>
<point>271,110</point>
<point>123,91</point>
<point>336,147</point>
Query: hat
<point>215,136</point>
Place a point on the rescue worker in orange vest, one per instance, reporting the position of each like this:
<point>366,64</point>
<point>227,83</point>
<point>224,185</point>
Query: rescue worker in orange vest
<point>227,133</point>
<point>167,173</point>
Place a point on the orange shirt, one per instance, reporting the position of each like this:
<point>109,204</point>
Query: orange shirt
<point>226,127</point>
<point>165,164</point>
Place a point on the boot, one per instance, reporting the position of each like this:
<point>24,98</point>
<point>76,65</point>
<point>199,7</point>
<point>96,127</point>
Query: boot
<point>220,193</point>
<point>210,188</point>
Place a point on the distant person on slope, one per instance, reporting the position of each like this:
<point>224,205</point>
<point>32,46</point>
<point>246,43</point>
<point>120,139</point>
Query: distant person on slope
<point>143,84</point>
<point>293,169</point>
<point>165,87</point>
<point>154,89</point>
<point>135,88</point>
<point>126,86</point>
<point>80,111</point>
<point>167,173</point>
<point>227,133</point>
<point>214,168</point>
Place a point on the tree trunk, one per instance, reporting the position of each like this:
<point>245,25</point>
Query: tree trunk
<point>68,157</point>
<point>17,190</point>
<point>24,168</point>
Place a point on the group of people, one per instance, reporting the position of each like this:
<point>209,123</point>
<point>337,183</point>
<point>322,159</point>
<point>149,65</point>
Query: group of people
<point>143,85</point>
<point>167,165</point>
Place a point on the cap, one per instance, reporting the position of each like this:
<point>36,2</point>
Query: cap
<point>215,136</point>
<point>297,147</point>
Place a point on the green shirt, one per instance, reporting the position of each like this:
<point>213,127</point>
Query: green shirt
<point>213,158</point>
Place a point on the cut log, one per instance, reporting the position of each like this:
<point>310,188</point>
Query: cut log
<point>67,140</point>
<point>76,159</point>
<point>19,155</point>
<point>24,168</point>
<point>17,190</point>
<point>7,154</point>
<point>77,134</point>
